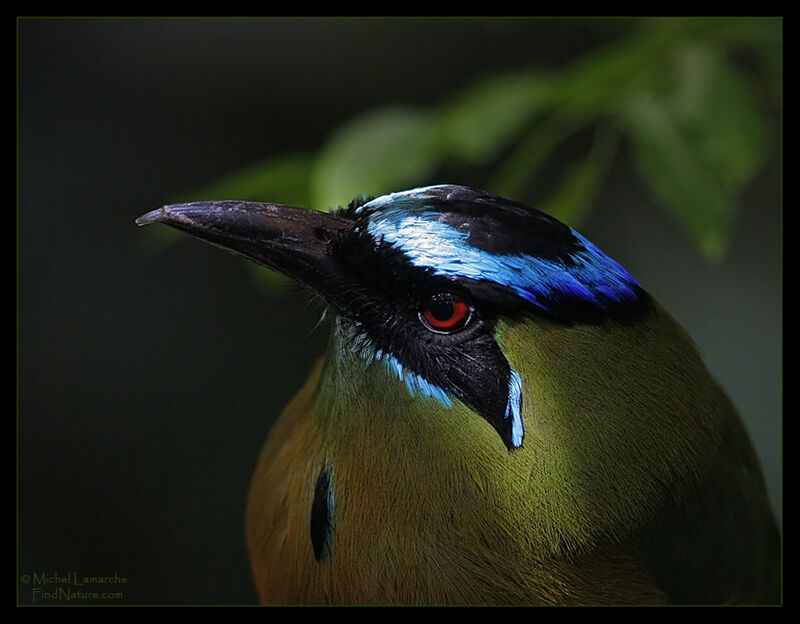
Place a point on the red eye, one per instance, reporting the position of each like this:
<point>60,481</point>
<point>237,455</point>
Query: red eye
<point>444,313</point>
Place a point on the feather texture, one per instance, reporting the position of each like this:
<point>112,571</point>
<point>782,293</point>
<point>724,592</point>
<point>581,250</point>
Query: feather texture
<point>613,498</point>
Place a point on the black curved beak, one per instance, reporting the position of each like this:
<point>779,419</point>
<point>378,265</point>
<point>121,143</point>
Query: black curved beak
<point>292,241</point>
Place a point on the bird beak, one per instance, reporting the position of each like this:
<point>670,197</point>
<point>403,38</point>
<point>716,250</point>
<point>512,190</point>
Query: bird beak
<point>292,241</point>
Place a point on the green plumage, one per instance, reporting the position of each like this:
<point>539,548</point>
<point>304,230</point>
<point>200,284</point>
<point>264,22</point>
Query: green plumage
<point>504,416</point>
<point>635,484</point>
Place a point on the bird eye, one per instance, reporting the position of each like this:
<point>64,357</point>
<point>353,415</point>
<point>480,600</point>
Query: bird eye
<point>444,313</point>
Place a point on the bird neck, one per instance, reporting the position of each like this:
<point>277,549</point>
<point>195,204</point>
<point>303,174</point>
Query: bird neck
<point>607,430</point>
<point>616,416</point>
<point>371,393</point>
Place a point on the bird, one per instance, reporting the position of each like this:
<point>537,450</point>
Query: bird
<point>503,416</point>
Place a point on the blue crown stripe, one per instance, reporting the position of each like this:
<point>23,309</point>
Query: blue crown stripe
<point>591,276</point>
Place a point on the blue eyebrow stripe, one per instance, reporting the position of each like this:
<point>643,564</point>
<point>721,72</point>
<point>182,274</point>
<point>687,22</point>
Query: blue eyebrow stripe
<point>416,384</point>
<point>589,276</point>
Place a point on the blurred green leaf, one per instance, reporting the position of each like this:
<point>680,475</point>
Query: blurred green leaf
<point>513,175</point>
<point>697,143</point>
<point>694,118</point>
<point>713,104</point>
<point>156,239</point>
<point>481,121</point>
<point>572,201</point>
<point>377,153</point>
<point>267,279</point>
<point>760,37</point>
<point>595,83</point>
<point>281,180</point>
<point>670,162</point>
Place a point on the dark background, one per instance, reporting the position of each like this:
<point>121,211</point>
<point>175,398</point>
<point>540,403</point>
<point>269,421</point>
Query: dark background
<point>148,379</point>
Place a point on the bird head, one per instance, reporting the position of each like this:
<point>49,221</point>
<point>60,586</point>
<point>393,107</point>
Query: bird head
<point>494,381</point>
<point>420,280</point>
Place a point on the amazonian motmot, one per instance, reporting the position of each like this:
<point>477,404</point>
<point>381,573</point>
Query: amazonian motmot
<point>504,416</point>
